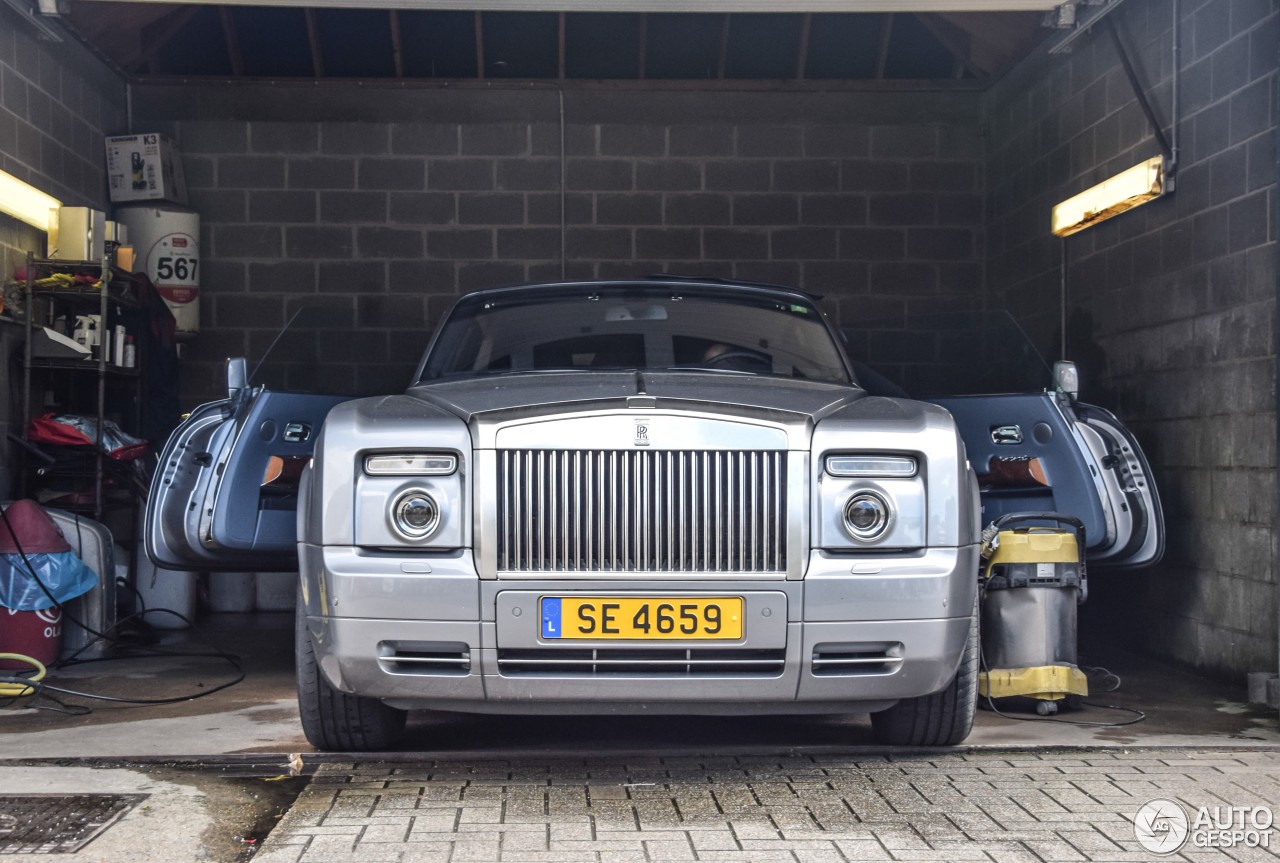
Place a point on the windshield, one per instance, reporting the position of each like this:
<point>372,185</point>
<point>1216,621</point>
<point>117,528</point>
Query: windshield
<point>651,327</point>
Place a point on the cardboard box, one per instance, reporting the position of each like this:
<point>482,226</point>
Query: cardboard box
<point>144,168</point>
<point>76,233</point>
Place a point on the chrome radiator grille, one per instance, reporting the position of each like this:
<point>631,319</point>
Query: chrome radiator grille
<point>641,511</point>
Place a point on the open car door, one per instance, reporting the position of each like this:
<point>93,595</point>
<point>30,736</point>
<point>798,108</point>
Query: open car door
<point>1042,452</point>
<point>225,493</point>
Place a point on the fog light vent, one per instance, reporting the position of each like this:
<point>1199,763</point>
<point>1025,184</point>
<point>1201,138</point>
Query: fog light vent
<point>449,658</point>
<point>858,659</point>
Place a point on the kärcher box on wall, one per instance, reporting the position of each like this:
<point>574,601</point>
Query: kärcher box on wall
<point>144,168</point>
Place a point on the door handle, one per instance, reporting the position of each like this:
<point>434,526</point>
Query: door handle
<point>1007,435</point>
<point>296,432</point>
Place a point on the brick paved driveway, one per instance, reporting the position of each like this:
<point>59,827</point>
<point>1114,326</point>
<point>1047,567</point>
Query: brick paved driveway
<point>802,808</point>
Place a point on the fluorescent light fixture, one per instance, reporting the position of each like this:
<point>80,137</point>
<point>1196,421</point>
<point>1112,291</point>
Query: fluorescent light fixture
<point>25,202</point>
<point>1124,191</point>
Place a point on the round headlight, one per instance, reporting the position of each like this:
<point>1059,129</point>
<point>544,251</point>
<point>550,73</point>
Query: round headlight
<point>415,514</point>
<point>866,516</point>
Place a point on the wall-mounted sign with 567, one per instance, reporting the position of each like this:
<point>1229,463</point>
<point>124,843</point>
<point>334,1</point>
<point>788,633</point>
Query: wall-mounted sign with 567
<point>177,268</point>
<point>173,262</point>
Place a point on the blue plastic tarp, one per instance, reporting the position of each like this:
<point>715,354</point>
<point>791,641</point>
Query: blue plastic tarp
<point>63,573</point>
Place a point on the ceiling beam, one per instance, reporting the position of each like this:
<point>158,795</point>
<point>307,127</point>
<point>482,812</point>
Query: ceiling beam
<point>802,60</point>
<point>995,41</point>
<point>156,36</point>
<point>650,5</point>
<point>397,55</point>
<point>232,40</point>
<point>954,44</point>
<point>886,36</point>
<point>1001,34</point>
<point>313,41</point>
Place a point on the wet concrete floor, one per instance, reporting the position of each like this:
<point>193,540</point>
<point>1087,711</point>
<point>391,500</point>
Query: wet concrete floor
<point>222,763</point>
<point>259,714</point>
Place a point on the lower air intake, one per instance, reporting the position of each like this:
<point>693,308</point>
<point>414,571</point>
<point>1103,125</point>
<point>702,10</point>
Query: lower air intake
<point>642,663</point>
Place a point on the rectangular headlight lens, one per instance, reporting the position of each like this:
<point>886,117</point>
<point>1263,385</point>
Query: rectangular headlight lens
<point>410,464</point>
<point>871,465</point>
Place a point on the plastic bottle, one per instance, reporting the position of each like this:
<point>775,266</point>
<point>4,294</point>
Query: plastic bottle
<point>117,348</point>
<point>81,334</point>
<point>130,353</point>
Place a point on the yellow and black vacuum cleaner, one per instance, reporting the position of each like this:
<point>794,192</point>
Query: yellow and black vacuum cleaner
<point>1033,580</point>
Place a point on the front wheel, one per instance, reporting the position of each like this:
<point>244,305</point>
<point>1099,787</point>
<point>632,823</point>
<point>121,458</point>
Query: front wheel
<point>941,719</point>
<point>336,721</point>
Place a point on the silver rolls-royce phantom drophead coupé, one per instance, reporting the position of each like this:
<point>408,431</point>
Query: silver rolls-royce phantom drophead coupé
<point>662,495</point>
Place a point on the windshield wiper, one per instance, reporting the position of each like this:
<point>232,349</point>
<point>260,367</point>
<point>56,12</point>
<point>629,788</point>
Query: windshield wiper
<point>710,371</point>
<point>559,370</point>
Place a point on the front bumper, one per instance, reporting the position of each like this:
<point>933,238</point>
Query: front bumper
<point>856,631</point>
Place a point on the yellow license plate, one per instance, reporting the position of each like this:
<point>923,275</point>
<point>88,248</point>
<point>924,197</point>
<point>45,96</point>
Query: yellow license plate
<point>642,618</point>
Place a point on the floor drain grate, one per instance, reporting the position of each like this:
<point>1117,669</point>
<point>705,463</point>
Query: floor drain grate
<point>58,823</point>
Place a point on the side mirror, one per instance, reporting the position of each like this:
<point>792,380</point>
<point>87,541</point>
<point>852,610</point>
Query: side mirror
<point>1066,379</point>
<point>237,376</point>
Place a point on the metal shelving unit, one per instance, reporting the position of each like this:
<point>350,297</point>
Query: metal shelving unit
<point>61,299</point>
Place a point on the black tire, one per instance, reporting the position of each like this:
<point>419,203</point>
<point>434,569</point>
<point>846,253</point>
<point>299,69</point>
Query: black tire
<point>335,721</point>
<point>944,718</point>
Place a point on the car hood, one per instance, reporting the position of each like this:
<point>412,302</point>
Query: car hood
<point>512,396</point>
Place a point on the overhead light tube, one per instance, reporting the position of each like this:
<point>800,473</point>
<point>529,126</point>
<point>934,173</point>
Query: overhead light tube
<point>1126,190</point>
<point>26,202</point>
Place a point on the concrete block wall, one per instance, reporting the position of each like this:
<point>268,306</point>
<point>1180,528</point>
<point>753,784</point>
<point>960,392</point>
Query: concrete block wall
<point>57,101</point>
<point>1170,307</point>
<point>377,207</point>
